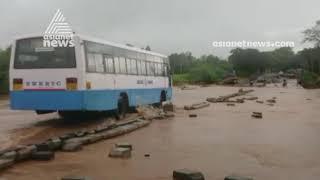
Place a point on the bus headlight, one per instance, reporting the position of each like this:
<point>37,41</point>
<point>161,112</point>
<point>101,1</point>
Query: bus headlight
<point>17,84</point>
<point>72,83</point>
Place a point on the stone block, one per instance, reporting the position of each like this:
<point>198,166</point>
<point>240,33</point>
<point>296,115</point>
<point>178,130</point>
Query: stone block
<point>186,174</point>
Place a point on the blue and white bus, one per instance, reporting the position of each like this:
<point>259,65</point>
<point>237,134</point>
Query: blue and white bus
<point>94,75</point>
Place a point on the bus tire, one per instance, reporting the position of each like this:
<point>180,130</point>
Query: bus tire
<point>163,97</point>
<point>123,107</point>
<point>69,115</point>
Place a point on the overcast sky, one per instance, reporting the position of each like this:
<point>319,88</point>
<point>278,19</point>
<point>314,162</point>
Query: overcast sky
<point>168,26</point>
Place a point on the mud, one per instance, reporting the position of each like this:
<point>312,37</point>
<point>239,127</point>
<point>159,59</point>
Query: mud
<point>222,140</point>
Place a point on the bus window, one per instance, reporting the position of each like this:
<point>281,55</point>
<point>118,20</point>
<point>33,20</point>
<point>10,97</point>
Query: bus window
<point>138,67</point>
<point>165,70</point>
<point>108,60</point>
<point>99,63</point>
<point>117,65</point>
<point>123,67</point>
<point>128,61</point>
<point>160,71</point>
<point>155,69</point>
<point>91,62</point>
<point>150,68</point>
<point>30,54</point>
<point>134,66</point>
<point>143,68</point>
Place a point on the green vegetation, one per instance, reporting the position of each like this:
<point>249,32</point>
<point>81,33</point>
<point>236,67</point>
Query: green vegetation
<point>4,69</point>
<point>206,69</point>
<point>180,79</point>
<point>310,80</point>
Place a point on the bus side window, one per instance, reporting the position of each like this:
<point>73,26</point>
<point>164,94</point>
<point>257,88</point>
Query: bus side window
<point>117,65</point>
<point>123,67</point>
<point>109,64</point>
<point>160,65</point>
<point>99,63</point>
<point>143,68</point>
<point>151,68</point>
<point>134,66</point>
<point>128,61</point>
<point>91,62</point>
<point>139,67</point>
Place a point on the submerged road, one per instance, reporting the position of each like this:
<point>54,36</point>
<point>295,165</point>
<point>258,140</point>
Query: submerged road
<point>222,140</point>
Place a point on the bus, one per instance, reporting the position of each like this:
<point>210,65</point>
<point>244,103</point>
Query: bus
<point>93,75</point>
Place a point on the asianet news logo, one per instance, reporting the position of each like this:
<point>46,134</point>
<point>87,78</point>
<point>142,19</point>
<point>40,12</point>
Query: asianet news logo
<point>58,33</point>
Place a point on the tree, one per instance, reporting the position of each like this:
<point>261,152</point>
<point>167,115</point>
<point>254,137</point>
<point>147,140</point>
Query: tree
<point>4,70</point>
<point>311,56</point>
<point>249,61</point>
<point>181,63</point>
<point>311,59</point>
<point>313,34</point>
<point>282,59</point>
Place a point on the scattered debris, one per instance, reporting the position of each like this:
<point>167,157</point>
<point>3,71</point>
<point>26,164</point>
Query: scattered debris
<point>226,98</point>
<point>56,143</point>
<point>9,155</point>
<point>71,142</point>
<point>146,155</point>
<point>251,98</point>
<point>75,178</point>
<point>150,113</point>
<point>124,145</point>
<point>120,152</point>
<point>187,87</point>
<point>196,106</point>
<point>257,115</point>
<point>230,104</point>
<point>231,80</point>
<point>44,146</point>
<point>233,177</point>
<point>72,147</point>
<point>240,100</point>
<point>168,115</point>
<point>270,104</point>
<point>193,115</point>
<point>26,152</point>
<point>5,163</point>
<point>186,174</point>
<point>260,102</point>
<point>43,155</point>
<point>271,101</point>
<point>168,107</point>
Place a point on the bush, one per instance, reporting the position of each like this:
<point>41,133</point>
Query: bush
<point>310,80</point>
<point>202,73</point>
<point>4,70</point>
<point>180,79</point>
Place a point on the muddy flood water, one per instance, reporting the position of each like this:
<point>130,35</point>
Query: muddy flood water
<point>222,140</point>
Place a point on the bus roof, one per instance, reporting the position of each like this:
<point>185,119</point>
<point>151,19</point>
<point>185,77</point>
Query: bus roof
<point>98,40</point>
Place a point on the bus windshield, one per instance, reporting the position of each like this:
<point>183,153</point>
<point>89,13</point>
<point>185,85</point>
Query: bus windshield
<point>30,54</point>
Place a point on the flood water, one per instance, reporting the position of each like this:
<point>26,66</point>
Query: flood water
<point>222,140</point>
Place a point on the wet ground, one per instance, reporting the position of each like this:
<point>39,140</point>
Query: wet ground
<point>222,140</point>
